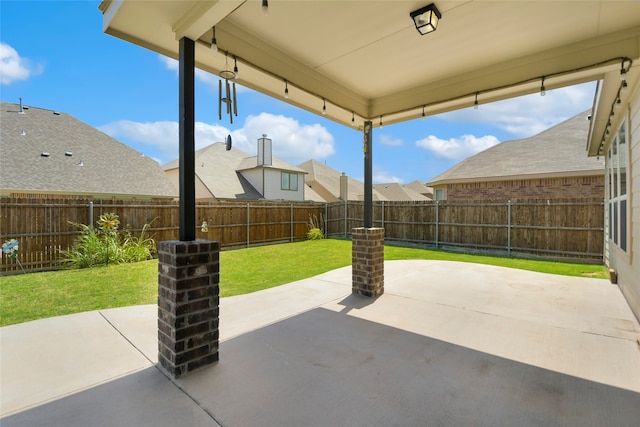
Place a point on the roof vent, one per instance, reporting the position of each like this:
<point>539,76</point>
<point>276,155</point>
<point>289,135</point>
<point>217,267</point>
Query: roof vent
<point>44,154</point>
<point>56,113</point>
<point>23,133</point>
<point>68,153</point>
<point>21,108</point>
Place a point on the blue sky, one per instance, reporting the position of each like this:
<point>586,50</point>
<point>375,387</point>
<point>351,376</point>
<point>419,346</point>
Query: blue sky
<point>54,55</point>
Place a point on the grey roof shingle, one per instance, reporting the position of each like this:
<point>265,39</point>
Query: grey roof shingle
<point>81,161</point>
<point>221,171</point>
<point>557,151</point>
<point>398,192</point>
<point>217,168</point>
<point>420,187</point>
<point>252,163</point>
<point>326,182</point>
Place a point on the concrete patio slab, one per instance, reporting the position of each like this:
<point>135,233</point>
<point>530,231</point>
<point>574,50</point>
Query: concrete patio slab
<point>51,358</point>
<point>447,344</point>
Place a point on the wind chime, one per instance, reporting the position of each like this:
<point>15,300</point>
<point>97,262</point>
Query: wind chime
<point>229,96</point>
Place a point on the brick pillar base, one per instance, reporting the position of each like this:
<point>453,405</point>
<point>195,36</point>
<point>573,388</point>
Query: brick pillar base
<point>188,300</point>
<point>367,261</point>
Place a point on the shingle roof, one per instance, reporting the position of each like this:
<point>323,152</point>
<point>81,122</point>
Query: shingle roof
<point>276,163</point>
<point>217,169</point>
<point>557,151</point>
<point>81,160</point>
<point>326,182</point>
<point>220,171</point>
<point>310,195</point>
<point>420,187</point>
<point>399,192</point>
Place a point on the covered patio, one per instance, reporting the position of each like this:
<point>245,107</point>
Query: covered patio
<point>361,64</point>
<point>448,344</point>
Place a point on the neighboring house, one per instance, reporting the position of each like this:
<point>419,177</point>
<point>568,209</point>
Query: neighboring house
<point>550,165</point>
<point>45,153</point>
<point>223,174</point>
<point>414,191</point>
<point>332,185</point>
<point>615,135</point>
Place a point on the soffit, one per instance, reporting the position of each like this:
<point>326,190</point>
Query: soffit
<point>367,58</point>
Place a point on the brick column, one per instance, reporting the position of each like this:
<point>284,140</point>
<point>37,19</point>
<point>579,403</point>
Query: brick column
<point>367,261</point>
<point>188,301</point>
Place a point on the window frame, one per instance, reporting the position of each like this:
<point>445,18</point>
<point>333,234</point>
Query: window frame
<point>617,189</point>
<point>288,181</point>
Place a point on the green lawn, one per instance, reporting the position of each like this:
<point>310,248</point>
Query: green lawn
<point>38,295</point>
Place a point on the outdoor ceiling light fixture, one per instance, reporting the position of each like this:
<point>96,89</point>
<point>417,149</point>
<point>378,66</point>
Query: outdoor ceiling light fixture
<point>426,19</point>
<point>353,119</point>
<point>214,42</point>
<point>324,107</point>
<point>475,103</point>
<point>543,90</point>
<point>286,90</point>
<point>265,7</point>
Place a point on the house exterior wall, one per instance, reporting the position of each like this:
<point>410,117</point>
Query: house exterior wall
<point>268,182</point>
<point>255,178</point>
<point>589,187</point>
<point>273,186</point>
<point>627,264</point>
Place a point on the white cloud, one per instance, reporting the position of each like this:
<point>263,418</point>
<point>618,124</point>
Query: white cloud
<point>457,148</point>
<point>389,141</point>
<point>292,141</point>
<point>163,136</point>
<point>528,115</point>
<point>14,67</point>
<point>383,177</point>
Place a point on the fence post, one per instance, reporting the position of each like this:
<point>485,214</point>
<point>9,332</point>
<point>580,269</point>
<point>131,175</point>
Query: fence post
<point>382,226</point>
<point>91,215</point>
<point>248,227</point>
<point>508,228</point>
<point>326,216</point>
<point>291,222</point>
<point>345,218</point>
<point>437,210</point>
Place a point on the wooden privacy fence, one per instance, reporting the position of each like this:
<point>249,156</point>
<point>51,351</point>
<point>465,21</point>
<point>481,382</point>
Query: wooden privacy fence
<point>553,230</point>
<point>44,227</point>
<point>560,229</point>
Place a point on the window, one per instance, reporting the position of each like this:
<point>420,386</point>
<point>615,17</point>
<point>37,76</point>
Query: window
<point>289,181</point>
<point>616,190</point>
<point>439,193</point>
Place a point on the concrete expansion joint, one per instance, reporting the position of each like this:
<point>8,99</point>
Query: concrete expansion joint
<point>125,337</point>
<point>608,336</point>
<point>199,404</point>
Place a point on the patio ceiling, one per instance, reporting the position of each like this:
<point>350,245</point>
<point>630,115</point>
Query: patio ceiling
<point>366,59</point>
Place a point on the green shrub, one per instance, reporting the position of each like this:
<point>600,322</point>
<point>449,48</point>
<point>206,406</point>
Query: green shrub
<point>108,245</point>
<point>315,226</point>
<point>315,234</point>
